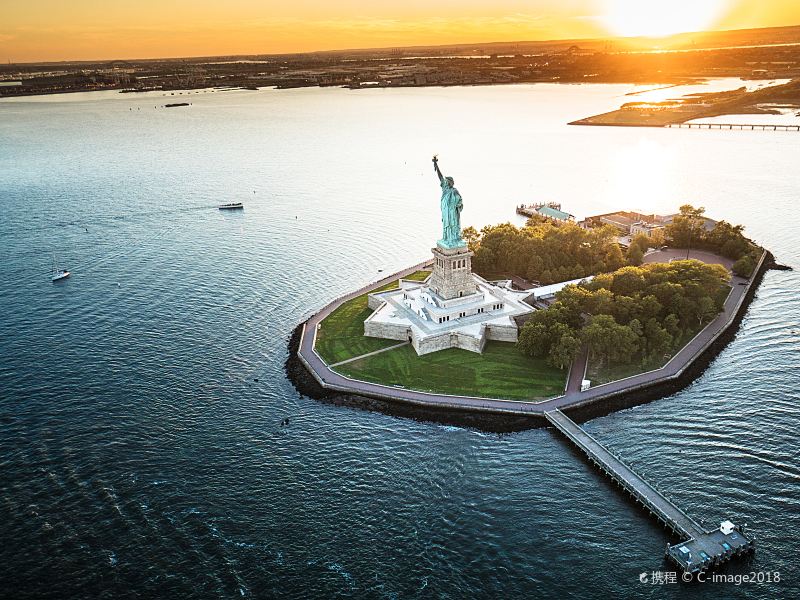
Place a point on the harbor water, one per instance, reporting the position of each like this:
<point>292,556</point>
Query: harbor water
<point>144,443</point>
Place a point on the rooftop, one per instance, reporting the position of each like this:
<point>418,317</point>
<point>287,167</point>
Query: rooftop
<point>415,305</point>
<point>548,211</point>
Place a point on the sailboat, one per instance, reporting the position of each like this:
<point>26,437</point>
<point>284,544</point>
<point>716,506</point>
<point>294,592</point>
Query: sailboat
<point>58,274</point>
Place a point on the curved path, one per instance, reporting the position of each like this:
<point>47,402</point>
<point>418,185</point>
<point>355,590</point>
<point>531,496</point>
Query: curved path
<point>331,380</point>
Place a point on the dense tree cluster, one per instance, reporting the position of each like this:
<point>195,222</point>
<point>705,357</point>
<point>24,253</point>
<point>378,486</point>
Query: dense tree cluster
<point>633,314</point>
<point>544,251</point>
<point>688,230</point>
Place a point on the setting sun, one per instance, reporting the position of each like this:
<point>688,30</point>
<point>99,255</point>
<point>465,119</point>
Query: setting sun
<point>661,18</point>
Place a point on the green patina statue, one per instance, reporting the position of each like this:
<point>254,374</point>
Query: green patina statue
<point>451,205</point>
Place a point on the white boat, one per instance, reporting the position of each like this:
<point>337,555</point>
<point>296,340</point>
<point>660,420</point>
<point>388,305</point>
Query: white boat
<point>231,206</point>
<point>58,274</point>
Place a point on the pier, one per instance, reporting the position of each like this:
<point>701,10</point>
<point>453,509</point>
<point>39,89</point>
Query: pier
<point>700,549</point>
<point>548,210</point>
<point>741,126</point>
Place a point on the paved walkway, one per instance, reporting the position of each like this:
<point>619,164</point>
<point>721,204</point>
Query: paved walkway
<point>670,254</point>
<point>333,381</point>
<point>700,548</point>
<point>373,353</point>
<point>577,372</point>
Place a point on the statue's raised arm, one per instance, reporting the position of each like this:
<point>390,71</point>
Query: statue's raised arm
<point>436,167</point>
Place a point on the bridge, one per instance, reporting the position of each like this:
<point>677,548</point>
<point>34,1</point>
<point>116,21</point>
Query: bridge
<point>741,126</point>
<point>700,549</point>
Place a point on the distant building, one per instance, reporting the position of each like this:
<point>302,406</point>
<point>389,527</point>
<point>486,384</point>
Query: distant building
<point>622,220</point>
<point>645,228</point>
<point>708,224</point>
<point>630,224</point>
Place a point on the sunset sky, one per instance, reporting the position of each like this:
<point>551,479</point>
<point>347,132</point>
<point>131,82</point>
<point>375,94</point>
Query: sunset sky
<point>38,30</point>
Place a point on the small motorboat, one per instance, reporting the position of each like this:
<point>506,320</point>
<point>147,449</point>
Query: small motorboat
<point>231,206</point>
<point>58,274</point>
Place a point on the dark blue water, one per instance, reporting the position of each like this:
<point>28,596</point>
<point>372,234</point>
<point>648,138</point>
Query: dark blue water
<point>141,451</point>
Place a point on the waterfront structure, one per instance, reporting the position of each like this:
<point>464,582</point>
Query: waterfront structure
<point>453,308</point>
<point>700,548</point>
<point>549,210</point>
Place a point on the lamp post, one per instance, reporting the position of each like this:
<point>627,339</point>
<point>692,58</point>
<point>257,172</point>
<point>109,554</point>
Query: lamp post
<point>689,246</point>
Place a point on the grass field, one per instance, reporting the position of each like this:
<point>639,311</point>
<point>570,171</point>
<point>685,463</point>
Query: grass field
<point>500,372</point>
<point>418,276</point>
<point>341,334</point>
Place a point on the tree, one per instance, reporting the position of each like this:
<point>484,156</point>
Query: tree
<point>641,241</point>
<point>628,281</point>
<point>687,227</point>
<point>534,338</point>
<point>744,266</point>
<point>728,240</point>
<point>648,307</point>
<point>635,255</point>
<point>484,260</point>
<point>672,325</point>
<point>609,341</point>
<point>623,308</point>
<point>633,310</point>
<point>471,236</point>
<point>706,310</point>
<point>657,238</point>
<point>636,327</point>
<point>657,338</point>
<point>544,251</point>
<point>613,258</point>
<point>564,351</point>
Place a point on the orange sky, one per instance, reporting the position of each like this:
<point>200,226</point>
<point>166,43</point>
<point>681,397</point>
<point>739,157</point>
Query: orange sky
<point>38,30</point>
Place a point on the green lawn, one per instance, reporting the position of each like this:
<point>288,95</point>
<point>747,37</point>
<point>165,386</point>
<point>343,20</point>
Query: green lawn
<point>341,334</point>
<point>500,372</point>
<point>418,276</point>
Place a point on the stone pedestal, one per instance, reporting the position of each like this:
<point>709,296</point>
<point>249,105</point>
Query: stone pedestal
<point>452,273</point>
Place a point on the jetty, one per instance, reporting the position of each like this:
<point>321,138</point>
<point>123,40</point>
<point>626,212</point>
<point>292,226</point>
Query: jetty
<point>549,210</point>
<point>700,548</point>
<point>741,126</point>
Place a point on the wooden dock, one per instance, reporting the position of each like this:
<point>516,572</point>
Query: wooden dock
<point>700,549</point>
<point>740,126</point>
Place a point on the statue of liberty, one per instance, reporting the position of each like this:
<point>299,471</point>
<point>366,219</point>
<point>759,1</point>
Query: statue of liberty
<point>451,205</point>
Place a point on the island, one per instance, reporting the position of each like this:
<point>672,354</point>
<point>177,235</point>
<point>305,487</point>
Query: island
<point>769,100</point>
<point>441,342</point>
<point>501,325</point>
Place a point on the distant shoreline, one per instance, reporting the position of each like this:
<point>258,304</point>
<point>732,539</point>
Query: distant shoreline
<point>766,53</point>
<point>191,91</point>
<point>699,106</point>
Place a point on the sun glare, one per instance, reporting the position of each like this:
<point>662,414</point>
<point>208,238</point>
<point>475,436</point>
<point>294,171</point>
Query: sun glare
<point>658,18</point>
